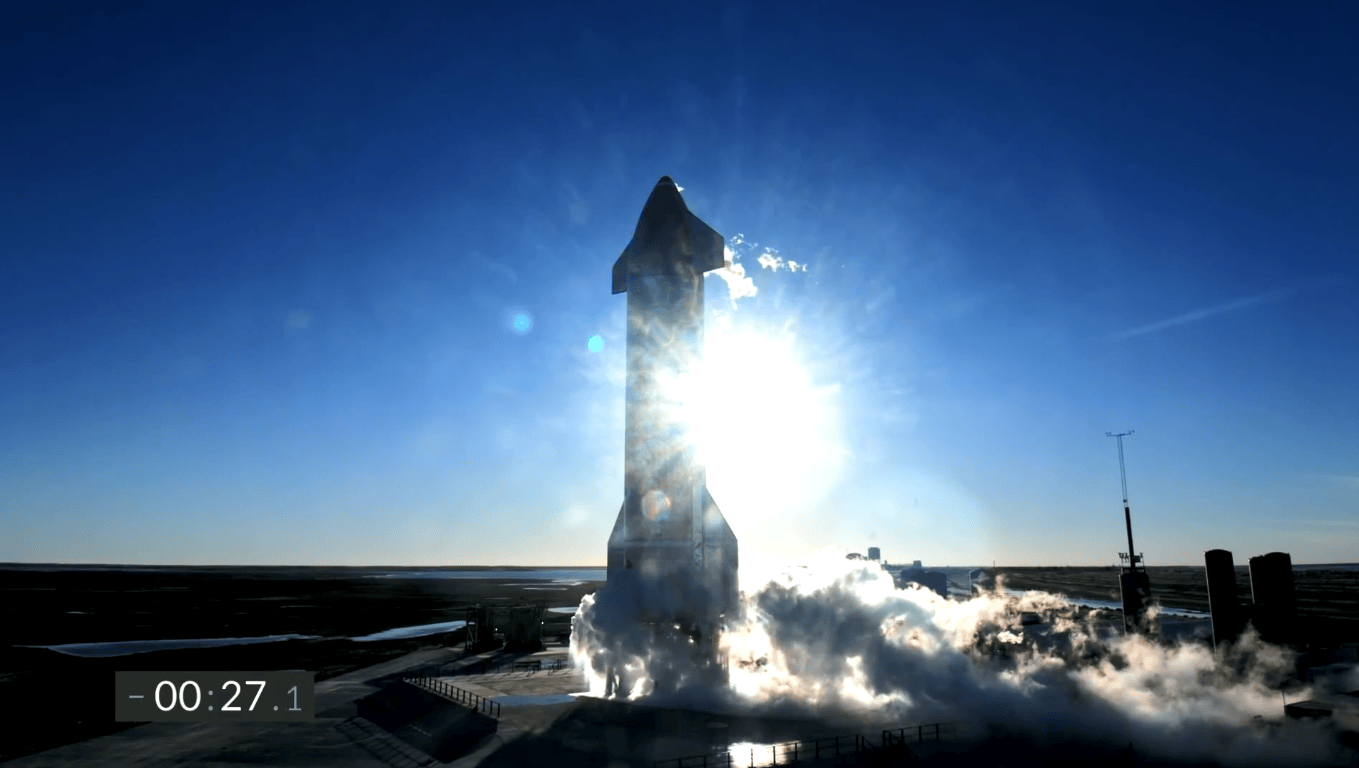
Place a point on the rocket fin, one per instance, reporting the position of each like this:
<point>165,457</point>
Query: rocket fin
<point>620,273</point>
<point>720,557</point>
<point>709,248</point>
<point>617,546</point>
<point>714,521</point>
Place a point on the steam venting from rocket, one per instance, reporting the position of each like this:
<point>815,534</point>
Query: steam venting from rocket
<point>741,285</point>
<point>836,642</point>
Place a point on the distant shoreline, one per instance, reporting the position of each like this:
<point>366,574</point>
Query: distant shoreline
<point>346,568</point>
<point>355,568</point>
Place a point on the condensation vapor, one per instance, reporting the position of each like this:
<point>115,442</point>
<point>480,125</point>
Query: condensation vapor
<point>835,641</point>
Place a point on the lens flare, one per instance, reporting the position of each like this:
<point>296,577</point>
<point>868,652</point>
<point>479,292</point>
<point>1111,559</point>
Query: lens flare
<point>519,321</point>
<point>655,505</point>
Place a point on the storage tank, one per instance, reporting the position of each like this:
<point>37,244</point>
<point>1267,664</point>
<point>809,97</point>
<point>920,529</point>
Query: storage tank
<point>874,553</point>
<point>932,580</point>
<point>1271,587</point>
<point>1228,617</point>
<point>937,581</point>
<point>1136,589</point>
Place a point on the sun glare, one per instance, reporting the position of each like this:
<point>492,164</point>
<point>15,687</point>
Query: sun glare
<point>768,436</point>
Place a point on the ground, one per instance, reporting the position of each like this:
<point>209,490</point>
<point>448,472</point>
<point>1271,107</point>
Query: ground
<point>61,711</point>
<point>68,699</point>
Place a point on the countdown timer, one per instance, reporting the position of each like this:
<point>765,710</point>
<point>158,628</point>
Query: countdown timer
<point>214,697</point>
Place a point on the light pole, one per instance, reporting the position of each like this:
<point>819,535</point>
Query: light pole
<point>1134,584</point>
<point>1127,512</point>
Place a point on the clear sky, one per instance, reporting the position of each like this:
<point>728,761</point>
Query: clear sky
<point>316,284</point>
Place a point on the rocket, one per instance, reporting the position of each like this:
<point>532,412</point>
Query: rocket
<point>671,551</point>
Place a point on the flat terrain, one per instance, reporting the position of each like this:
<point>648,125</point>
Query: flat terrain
<point>1327,599</point>
<point>59,699</point>
<point>68,699</point>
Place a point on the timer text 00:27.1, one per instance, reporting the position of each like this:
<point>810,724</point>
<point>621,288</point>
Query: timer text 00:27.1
<point>214,697</point>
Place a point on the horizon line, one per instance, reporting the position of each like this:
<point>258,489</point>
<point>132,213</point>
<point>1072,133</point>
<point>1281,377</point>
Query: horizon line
<point>5,565</point>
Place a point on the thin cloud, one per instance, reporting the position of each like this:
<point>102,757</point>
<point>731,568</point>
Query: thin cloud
<point>1349,481</point>
<point>1200,314</point>
<point>771,259</point>
<point>1337,523</point>
<point>503,270</point>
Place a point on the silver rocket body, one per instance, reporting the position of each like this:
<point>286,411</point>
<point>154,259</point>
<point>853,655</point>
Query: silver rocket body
<point>671,552</point>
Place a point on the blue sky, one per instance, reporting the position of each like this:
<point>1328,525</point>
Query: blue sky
<point>264,263</point>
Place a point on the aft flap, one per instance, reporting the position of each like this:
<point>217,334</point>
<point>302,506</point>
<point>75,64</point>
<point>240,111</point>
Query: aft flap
<point>620,271</point>
<point>709,249</point>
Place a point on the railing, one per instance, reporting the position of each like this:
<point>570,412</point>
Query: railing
<point>921,733</point>
<point>894,740</point>
<point>456,694</point>
<point>487,667</point>
<point>712,760</point>
<point>774,754</point>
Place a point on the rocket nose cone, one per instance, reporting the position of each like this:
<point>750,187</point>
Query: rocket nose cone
<point>664,205</point>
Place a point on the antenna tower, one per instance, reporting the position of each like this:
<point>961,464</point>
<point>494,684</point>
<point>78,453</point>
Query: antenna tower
<point>1132,558</point>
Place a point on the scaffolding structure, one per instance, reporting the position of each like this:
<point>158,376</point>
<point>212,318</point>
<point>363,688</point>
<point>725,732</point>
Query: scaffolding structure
<point>520,627</point>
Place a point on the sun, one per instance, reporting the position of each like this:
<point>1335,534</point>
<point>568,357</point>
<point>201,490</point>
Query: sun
<point>767,434</point>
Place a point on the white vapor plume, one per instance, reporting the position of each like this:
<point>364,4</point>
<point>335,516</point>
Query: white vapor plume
<point>771,260</point>
<point>741,285</point>
<point>733,273</point>
<point>834,640</point>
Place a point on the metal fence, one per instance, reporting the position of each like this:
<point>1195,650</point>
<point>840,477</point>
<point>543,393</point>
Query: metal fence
<point>489,667</point>
<point>455,694</point>
<point>712,760</point>
<point>916,734</point>
<point>806,749</point>
<point>894,741</point>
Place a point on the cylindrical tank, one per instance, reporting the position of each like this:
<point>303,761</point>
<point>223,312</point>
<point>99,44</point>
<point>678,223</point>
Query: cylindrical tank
<point>937,581</point>
<point>1271,580</point>
<point>908,576</point>
<point>932,580</point>
<point>1136,589</point>
<point>1222,601</point>
<point>1271,587</point>
<point>874,553</point>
